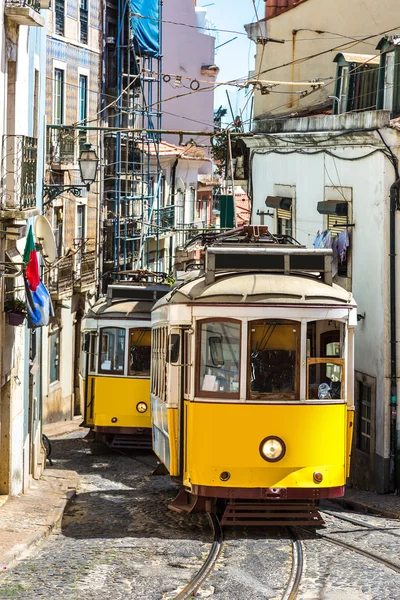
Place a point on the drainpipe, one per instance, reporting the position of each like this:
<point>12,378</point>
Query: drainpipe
<point>173,184</point>
<point>394,466</point>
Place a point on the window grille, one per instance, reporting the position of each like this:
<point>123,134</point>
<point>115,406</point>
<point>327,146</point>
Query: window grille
<point>364,417</point>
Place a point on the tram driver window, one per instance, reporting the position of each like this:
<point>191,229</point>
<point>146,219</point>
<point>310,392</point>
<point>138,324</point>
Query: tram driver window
<point>273,368</point>
<point>139,352</point>
<point>219,358</point>
<point>112,350</point>
<point>325,357</point>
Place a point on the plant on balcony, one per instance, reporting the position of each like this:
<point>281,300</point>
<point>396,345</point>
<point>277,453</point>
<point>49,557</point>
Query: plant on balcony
<point>16,311</point>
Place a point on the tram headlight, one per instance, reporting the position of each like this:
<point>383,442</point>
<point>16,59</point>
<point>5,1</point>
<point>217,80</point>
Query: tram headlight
<point>141,407</point>
<point>272,449</point>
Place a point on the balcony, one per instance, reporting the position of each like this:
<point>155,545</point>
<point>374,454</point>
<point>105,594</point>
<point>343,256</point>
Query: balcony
<point>18,177</point>
<point>164,218</point>
<point>60,147</point>
<point>59,279</point>
<point>85,271</point>
<point>24,12</point>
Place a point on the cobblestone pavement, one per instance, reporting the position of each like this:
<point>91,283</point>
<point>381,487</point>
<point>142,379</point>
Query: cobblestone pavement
<point>119,541</point>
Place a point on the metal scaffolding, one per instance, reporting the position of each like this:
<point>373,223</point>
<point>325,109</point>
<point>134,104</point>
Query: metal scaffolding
<point>132,171</point>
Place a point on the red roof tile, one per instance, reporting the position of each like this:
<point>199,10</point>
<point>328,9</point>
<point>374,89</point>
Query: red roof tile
<point>273,8</point>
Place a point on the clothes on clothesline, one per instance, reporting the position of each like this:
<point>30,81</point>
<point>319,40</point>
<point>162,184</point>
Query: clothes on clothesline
<point>335,262</point>
<point>343,243</point>
<point>323,239</point>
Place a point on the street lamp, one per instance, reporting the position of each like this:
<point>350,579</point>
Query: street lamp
<point>88,163</point>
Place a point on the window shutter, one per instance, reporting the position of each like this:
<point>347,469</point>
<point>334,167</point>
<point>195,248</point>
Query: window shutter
<point>336,224</point>
<point>284,214</point>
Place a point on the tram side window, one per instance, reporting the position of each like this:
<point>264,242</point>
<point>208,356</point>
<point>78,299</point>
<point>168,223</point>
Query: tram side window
<point>325,360</point>
<point>112,350</point>
<point>219,364</point>
<point>158,365</point>
<point>92,352</point>
<point>139,352</point>
<point>273,368</point>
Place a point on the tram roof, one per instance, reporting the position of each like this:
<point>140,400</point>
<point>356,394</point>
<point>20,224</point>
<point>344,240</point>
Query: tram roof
<point>119,309</point>
<point>257,287</point>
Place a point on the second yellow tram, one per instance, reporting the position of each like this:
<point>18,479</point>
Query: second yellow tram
<point>117,341</point>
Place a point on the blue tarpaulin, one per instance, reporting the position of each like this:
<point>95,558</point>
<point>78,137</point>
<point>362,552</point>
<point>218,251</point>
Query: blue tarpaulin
<point>145,30</point>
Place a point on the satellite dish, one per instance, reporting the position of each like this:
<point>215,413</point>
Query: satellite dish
<point>45,236</point>
<point>180,185</point>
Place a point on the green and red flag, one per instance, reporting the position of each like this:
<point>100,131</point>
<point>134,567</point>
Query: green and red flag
<point>31,262</point>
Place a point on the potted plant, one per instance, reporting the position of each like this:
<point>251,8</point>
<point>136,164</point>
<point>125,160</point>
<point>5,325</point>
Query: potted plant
<point>16,311</point>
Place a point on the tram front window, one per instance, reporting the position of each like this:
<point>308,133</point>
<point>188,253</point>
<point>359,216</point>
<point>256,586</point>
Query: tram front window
<point>139,352</point>
<point>273,359</point>
<point>219,358</point>
<point>112,353</point>
<point>325,380</point>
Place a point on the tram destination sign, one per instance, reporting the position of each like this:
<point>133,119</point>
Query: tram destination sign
<point>278,260</point>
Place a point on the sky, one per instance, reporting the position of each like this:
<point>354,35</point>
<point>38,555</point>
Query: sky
<point>236,58</point>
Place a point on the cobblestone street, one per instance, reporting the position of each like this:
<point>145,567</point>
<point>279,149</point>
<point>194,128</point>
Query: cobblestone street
<point>118,539</point>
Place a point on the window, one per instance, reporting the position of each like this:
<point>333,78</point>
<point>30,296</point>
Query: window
<point>92,353</point>
<point>219,358</point>
<point>364,417</point>
<point>284,221</point>
<point>58,98</point>
<point>58,228</point>
<point>112,350</point>
<point>82,116</point>
<point>325,362</point>
<point>139,352</point>
<point>83,22</point>
<point>158,362</point>
<point>273,360</point>
<point>54,344</point>
<point>59,16</point>
<point>344,88</point>
<point>389,82</point>
<point>80,223</point>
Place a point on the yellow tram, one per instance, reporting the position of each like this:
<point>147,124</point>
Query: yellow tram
<point>116,370</point>
<point>253,400</point>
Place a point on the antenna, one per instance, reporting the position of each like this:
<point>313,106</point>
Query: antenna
<point>45,237</point>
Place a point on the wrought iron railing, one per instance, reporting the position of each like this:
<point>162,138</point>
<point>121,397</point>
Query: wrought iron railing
<point>18,172</point>
<point>85,269</point>
<point>35,4</point>
<point>60,146</point>
<point>59,280</point>
<point>164,218</point>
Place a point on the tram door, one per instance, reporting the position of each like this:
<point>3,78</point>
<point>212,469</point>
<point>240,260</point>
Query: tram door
<point>183,366</point>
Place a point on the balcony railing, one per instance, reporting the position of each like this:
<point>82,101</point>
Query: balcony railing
<point>24,12</point>
<point>18,172</point>
<point>59,280</point>
<point>60,147</point>
<point>85,270</point>
<point>164,218</point>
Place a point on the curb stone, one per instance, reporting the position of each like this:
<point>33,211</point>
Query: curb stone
<point>53,522</point>
<point>367,508</point>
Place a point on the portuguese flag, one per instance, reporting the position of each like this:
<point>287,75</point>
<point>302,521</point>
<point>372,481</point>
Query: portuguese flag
<point>31,262</point>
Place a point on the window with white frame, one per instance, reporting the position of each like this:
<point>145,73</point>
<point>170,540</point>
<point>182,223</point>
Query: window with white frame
<point>82,108</point>
<point>83,22</point>
<point>58,97</point>
<point>59,16</point>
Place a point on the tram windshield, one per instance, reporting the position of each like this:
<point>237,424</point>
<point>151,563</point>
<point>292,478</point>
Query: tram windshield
<point>219,370</point>
<point>112,350</point>
<point>273,359</point>
<point>140,352</point>
<point>325,360</point>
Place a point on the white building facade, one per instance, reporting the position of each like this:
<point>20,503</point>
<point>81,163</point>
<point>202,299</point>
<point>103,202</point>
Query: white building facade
<point>22,121</point>
<point>347,160</point>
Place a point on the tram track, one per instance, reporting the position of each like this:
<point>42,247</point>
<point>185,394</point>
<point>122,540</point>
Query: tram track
<point>291,590</point>
<point>191,588</point>
<point>347,546</point>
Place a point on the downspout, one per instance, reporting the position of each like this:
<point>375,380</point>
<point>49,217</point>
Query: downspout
<point>394,204</point>
<point>173,185</point>
<point>394,471</point>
